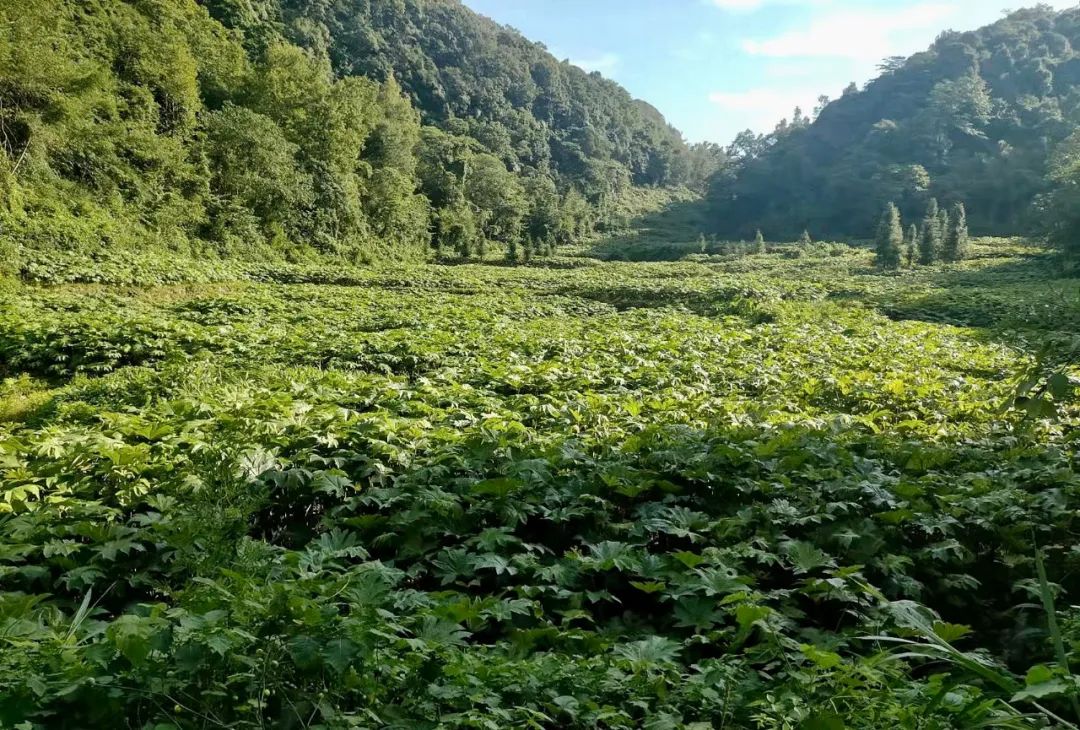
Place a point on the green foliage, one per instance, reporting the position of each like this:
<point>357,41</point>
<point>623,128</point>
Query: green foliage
<point>955,246</point>
<point>747,492</point>
<point>276,130</point>
<point>944,225</point>
<point>975,117</point>
<point>458,231</point>
<point>497,196</point>
<point>1060,207</point>
<point>888,245</point>
<point>911,245</point>
<point>930,243</point>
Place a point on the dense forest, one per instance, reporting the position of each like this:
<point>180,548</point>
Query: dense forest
<point>419,129</point>
<point>273,127</point>
<point>979,118</point>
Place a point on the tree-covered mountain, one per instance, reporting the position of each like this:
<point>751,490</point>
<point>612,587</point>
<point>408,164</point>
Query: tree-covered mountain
<point>475,78</point>
<point>350,127</point>
<point>976,119</point>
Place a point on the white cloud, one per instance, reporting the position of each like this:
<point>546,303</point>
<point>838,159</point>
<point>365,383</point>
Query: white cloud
<point>605,63</point>
<point>790,70</point>
<point>760,109</point>
<point>855,34</point>
<point>741,5</point>
<point>745,6</point>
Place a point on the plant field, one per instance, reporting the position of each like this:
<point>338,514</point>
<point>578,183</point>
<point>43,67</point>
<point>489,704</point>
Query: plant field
<point>732,492</point>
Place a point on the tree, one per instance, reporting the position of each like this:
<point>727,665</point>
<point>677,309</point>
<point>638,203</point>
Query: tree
<point>911,245</point>
<point>498,195</point>
<point>704,160</point>
<point>1060,208</point>
<point>930,235</point>
<point>576,218</point>
<point>255,176</point>
<point>956,239</point>
<point>544,217</point>
<point>759,242</point>
<point>942,228</point>
<point>890,239</point>
<point>457,228</point>
<point>804,239</point>
<point>241,123</point>
<point>975,117</point>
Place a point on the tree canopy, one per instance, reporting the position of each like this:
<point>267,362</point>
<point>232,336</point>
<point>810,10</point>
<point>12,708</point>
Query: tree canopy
<point>358,128</point>
<point>971,119</point>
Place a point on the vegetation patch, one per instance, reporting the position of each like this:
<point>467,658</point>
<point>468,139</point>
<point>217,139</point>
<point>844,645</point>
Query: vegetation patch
<point>529,496</point>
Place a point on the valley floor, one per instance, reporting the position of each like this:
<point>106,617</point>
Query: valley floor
<point>771,491</point>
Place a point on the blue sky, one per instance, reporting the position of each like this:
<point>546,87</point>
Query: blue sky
<point>716,67</point>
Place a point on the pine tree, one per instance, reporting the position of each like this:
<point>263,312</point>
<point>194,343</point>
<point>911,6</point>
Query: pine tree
<point>512,251</point>
<point>956,238</point>
<point>911,245</point>
<point>943,228</point>
<point>804,239</point>
<point>930,236</point>
<point>759,242</point>
<point>890,239</point>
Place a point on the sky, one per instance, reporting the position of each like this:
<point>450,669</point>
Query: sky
<point>717,67</point>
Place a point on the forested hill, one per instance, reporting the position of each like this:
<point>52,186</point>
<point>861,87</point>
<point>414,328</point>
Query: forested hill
<point>357,128</point>
<point>478,79</point>
<point>975,118</point>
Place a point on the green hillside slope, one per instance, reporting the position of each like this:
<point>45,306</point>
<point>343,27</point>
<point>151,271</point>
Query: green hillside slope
<point>357,129</point>
<point>975,119</point>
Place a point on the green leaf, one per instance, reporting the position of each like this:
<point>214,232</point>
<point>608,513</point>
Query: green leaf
<point>697,613</point>
<point>131,635</point>
<point>747,615</point>
<point>950,632</point>
<point>1039,674</point>
<point>823,659</point>
<point>804,556</point>
<point>1043,690</point>
<point>1059,386</point>
<point>339,653</point>
<point>823,721</point>
<point>498,488</point>
<point>690,560</point>
<point>305,651</point>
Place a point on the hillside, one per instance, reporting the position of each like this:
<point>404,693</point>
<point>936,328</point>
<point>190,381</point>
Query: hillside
<point>293,129</point>
<point>975,119</point>
<point>469,75</point>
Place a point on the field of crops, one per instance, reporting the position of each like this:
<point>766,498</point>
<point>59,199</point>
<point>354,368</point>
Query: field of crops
<point>774,491</point>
